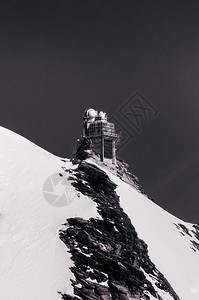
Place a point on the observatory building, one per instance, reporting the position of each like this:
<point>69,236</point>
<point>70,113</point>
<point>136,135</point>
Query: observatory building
<point>101,133</point>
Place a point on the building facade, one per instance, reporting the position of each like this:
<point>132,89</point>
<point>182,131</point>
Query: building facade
<point>101,133</point>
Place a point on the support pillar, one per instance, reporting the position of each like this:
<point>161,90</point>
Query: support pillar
<point>102,149</point>
<point>113,153</point>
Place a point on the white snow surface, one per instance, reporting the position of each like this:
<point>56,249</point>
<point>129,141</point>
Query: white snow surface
<point>34,263</point>
<point>171,251</point>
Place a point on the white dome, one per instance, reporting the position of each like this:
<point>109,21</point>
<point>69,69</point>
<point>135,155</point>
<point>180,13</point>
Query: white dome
<point>91,113</point>
<point>102,115</point>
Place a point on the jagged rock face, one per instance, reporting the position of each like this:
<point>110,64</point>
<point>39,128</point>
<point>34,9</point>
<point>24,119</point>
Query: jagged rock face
<point>192,233</point>
<point>122,169</point>
<point>124,173</point>
<point>82,151</point>
<point>196,233</point>
<point>109,258</point>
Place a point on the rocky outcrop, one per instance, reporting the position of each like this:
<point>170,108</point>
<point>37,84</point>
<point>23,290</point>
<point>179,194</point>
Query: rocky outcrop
<point>110,261</point>
<point>125,174</point>
<point>193,234</point>
<point>121,169</point>
<point>83,150</point>
<point>196,234</point>
<point>196,230</point>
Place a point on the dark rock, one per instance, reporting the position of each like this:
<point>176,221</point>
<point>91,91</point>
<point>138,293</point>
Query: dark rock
<point>185,229</point>
<point>108,250</point>
<point>82,150</point>
<point>196,230</point>
<point>196,245</point>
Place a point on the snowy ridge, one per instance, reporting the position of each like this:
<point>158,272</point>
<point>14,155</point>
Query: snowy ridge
<point>35,264</point>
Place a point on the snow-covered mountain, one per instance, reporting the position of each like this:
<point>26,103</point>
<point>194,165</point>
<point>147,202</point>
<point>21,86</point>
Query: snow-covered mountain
<point>79,231</point>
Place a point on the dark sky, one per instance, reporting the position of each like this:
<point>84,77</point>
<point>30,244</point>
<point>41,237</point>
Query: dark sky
<point>59,57</point>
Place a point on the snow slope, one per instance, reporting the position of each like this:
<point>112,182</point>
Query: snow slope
<point>33,261</point>
<point>169,247</point>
